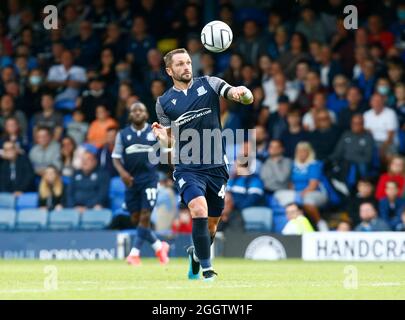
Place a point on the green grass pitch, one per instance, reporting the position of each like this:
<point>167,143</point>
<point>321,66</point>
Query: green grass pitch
<point>238,279</point>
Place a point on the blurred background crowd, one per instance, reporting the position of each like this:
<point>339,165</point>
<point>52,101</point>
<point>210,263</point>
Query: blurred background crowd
<point>329,109</point>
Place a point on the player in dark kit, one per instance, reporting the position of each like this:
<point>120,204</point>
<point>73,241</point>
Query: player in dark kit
<point>130,158</point>
<point>192,106</point>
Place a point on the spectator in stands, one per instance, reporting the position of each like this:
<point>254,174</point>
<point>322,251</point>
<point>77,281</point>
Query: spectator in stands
<point>328,68</point>
<point>294,134</point>
<point>355,147</point>
<point>51,190</point>
<point>325,136</point>
<point>367,77</point>
<point>113,40</point>
<point>99,15</point>
<point>66,78</point>
<point>233,73</point>
<point>121,110</point>
<point>354,106</point>
<point>365,193</point>
<point>16,172</point>
<point>154,69</point>
<point>297,52</point>
<point>77,128</point>
<point>383,87</point>
<point>7,109</point>
<point>378,34</point>
<point>106,69</point>
<point>396,172</point>
<point>297,223</point>
<point>401,225</point>
<point>391,206</point>
<point>277,120</point>
<point>344,226</point>
<point>244,188</point>
<point>157,88</point>
<point>276,87</point>
<point>49,117</point>
<point>207,65</point>
<point>88,188</point>
<point>97,134</point>
<point>187,23</point>
<point>261,146</point>
<point>33,92</point>
<point>67,152</point>
<point>139,43</point>
<point>251,44</point>
<point>280,43</point>
<point>86,45</point>
<point>312,85</point>
<point>45,152</point>
<point>183,223</point>
<point>369,219</point>
<point>399,105</point>
<point>96,95</point>
<point>310,26</point>
<point>382,122</point>
<point>12,132</point>
<point>319,103</point>
<point>337,99</point>
<point>276,170</point>
<point>305,184</point>
<point>395,71</point>
<point>104,153</point>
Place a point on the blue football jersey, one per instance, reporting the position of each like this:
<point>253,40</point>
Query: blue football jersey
<point>133,147</point>
<point>196,108</point>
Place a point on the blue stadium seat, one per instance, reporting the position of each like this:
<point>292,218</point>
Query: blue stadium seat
<point>7,219</point>
<point>65,219</point>
<point>116,193</point>
<point>257,218</point>
<point>279,223</point>
<point>7,200</point>
<point>32,219</point>
<point>28,200</point>
<point>68,118</point>
<point>66,104</point>
<point>96,219</point>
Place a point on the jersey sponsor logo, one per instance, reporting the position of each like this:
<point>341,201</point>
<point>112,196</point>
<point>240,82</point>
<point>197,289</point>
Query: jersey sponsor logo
<point>191,115</point>
<point>201,91</point>
<point>138,148</point>
<point>174,101</point>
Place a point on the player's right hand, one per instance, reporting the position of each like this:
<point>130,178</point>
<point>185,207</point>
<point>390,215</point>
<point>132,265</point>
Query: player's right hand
<point>160,132</point>
<point>128,179</point>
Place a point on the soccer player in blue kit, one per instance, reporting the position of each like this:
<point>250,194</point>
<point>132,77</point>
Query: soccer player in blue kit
<point>130,157</point>
<point>192,105</point>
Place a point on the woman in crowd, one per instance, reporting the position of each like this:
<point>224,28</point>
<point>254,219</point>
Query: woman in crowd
<point>51,190</point>
<point>396,169</point>
<point>305,185</point>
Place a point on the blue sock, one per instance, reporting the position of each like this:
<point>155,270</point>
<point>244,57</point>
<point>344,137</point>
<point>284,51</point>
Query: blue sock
<point>138,242</point>
<point>201,240</point>
<point>146,234</point>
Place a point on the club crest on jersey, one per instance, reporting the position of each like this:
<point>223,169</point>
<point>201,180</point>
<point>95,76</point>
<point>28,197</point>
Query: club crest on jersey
<point>129,137</point>
<point>150,137</point>
<point>201,91</point>
<point>181,182</point>
<point>174,101</point>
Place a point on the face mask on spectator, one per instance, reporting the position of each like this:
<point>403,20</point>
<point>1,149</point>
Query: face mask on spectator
<point>35,80</point>
<point>96,93</point>
<point>123,74</point>
<point>384,90</point>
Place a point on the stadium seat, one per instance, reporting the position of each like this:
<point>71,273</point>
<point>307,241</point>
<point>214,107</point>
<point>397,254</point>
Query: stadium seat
<point>279,223</point>
<point>96,219</point>
<point>117,193</point>
<point>32,219</point>
<point>7,219</point>
<point>7,200</point>
<point>65,219</point>
<point>257,218</point>
<point>65,104</point>
<point>68,118</point>
<point>28,200</point>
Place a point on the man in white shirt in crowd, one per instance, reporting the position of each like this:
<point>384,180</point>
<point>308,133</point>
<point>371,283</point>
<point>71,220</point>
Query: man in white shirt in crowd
<point>66,78</point>
<point>382,122</point>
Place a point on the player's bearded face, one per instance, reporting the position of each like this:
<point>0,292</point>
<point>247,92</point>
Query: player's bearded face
<point>181,69</point>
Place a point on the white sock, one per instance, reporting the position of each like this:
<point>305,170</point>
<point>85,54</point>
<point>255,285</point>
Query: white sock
<point>157,245</point>
<point>210,268</point>
<point>195,257</point>
<point>134,252</point>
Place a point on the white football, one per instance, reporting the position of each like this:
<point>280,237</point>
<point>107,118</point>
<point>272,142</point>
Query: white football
<point>216,36</point>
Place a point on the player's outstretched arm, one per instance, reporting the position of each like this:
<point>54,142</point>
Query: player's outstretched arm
<point>240,94</point>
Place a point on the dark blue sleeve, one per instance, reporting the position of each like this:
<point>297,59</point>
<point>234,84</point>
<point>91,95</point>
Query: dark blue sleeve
<point>104,185</point>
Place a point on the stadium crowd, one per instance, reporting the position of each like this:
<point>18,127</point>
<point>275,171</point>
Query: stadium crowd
<point>329,109</point>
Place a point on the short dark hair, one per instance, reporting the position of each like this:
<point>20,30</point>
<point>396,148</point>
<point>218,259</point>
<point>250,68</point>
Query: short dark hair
<point>169,56</point>
<point>299,206</point>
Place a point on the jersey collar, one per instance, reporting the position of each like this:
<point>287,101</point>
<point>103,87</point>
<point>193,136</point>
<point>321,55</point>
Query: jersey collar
<point>190,85</point>
<point>138,132</point>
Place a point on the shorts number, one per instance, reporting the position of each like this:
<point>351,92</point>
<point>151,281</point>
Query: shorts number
<point>151,193</point>
<point>221,193</point>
